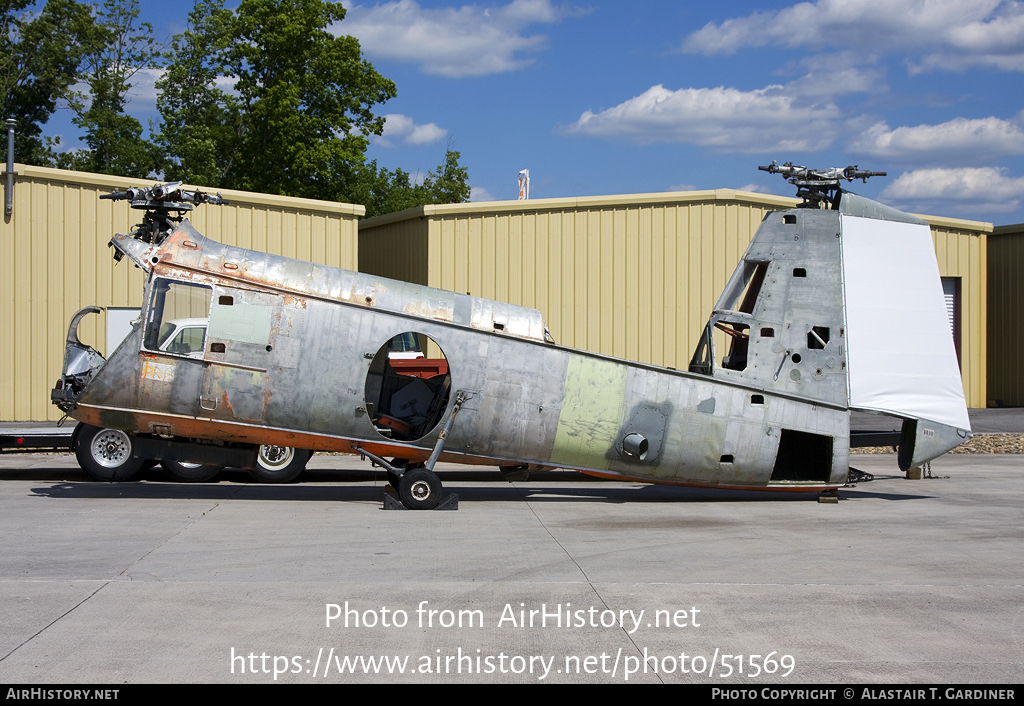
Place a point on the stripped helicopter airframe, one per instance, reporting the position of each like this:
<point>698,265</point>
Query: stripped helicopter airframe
<point>835,306</point>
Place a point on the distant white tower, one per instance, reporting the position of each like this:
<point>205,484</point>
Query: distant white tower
<point>524,185</point>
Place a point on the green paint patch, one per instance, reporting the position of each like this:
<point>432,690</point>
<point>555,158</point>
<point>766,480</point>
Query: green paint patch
<point>591,414</point>
<point>245,323</point>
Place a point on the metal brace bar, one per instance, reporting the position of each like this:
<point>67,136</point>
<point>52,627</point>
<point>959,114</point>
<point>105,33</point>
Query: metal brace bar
<point>459,399</point>
<point>378,460</point>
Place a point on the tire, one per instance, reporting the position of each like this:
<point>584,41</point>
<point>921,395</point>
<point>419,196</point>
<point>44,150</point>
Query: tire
<point>420,489</point>
<point>279,464</point>
<point>106,454</point>
<point>186,472</point>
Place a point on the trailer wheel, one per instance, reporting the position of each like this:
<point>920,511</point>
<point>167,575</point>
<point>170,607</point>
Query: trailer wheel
<point>279,464</point>
<point>186,472</point>
<point>106,454</point>
<point>419,489</point>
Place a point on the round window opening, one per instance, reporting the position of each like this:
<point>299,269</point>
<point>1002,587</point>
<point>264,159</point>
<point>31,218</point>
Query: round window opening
<point>407,387</point>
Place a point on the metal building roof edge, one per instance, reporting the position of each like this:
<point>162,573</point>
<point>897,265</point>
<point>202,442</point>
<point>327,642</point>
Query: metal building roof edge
<point>1009,229</point>
<point>576,202</point>
<point>956,223</point>
<point>231,195</point>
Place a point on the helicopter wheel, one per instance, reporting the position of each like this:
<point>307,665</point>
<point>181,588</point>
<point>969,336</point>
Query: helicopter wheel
<point>419,489</point>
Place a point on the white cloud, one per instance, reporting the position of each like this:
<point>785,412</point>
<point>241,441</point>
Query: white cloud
<point>142,94</point>
<point>479,193</point>
<point>400,128</point>
<point>981,189</point>
<point>453,42</point>
<point>946,34</point>
<point>839,73</point>
<point>798,116</point>
<point>726,119</point>
<point>959,141</point>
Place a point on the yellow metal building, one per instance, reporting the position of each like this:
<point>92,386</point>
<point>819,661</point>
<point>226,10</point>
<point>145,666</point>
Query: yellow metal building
<point>1006,316</point>
<point>55,261</point>
<point>632,276</point>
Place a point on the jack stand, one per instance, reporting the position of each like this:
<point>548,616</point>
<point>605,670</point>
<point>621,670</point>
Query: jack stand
<point>391,501</point>
<point>829,496</point>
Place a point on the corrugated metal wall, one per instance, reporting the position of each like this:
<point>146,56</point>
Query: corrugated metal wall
<point>55,260</point>
<point>396,248</point>
<point>1006,315</point>
<point>962,252</point>
<point>631,276</point>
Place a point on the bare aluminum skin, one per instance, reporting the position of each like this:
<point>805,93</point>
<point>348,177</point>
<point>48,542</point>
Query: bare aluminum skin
<point>298,375</point>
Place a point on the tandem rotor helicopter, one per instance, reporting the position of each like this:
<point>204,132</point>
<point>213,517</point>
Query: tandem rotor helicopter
<point>255,361</point>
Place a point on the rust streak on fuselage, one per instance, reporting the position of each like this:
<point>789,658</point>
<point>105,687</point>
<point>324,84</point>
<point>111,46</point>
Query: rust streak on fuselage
<point>194,428</point>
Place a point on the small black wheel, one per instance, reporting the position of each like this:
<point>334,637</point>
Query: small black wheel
<point>187,472</point>
<point>279,464</point>
<point>419,489</point>
<point>106,454</point>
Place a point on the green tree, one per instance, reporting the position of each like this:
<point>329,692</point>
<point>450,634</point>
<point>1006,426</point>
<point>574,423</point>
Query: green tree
<point>383,191</point>
<point>297,119</point>
<point>449,183</point>
<point>121,47</point>
<point>306,98</point>
<point>201,124</point>
<point>40,54</point>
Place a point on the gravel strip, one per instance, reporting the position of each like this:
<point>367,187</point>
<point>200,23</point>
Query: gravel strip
<point>980,444</point>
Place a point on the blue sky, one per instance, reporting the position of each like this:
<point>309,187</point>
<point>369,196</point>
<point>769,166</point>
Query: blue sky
<point>637,97</point>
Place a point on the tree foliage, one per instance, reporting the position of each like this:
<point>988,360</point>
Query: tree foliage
<point>295,122</point>
<point>307,96</point>
<point>121,46</point>
<point>297,115</point>
<point>265,97</point>
<point>201,122</point>
<point>383,191</point>
<point>40,54</point>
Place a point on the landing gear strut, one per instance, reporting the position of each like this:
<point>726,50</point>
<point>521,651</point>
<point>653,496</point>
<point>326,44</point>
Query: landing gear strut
<point>418,486</point>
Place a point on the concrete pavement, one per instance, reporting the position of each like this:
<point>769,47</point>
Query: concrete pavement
<point>230,582</point>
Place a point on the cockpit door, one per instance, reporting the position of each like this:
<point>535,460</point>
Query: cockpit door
<point>239,352</point>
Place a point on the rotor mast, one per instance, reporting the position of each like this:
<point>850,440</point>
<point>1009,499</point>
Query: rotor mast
<point>819,188</point>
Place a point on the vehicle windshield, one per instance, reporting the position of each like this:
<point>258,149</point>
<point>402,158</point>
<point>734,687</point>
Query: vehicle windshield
<point>165,331</point>
<point>186,341</point>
